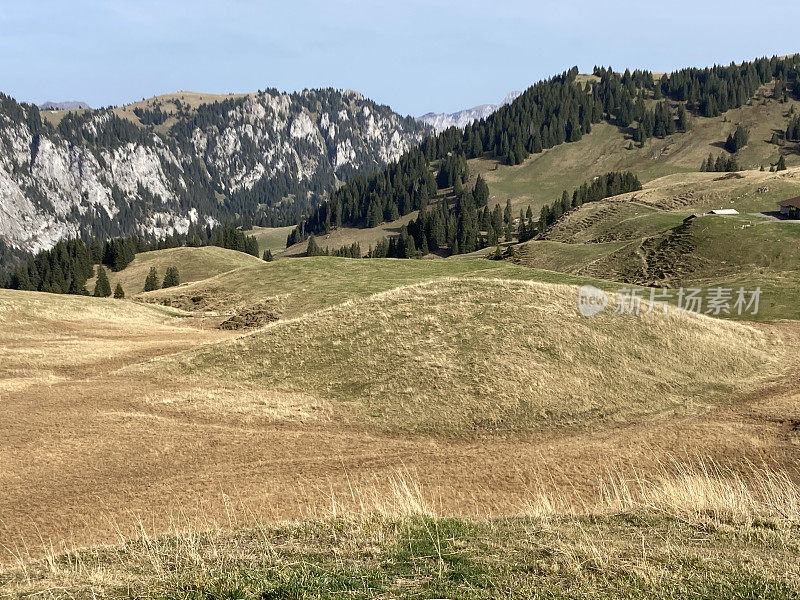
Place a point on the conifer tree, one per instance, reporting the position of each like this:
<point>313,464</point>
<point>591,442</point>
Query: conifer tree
<point>781,166</point>
<point>313,249</point>
<point>102,288</point>
<point>119,293</point>
<point>481,192</point>
<point>683,119</point>
<point>171,277</point>
<point>152,282</point>
<point>267,256</point>
<point>737,140</point>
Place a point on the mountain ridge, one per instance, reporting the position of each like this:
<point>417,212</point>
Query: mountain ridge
<point>67,105</point>
<point>156,166</point>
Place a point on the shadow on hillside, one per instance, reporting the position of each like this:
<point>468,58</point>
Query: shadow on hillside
<point>794,148</point>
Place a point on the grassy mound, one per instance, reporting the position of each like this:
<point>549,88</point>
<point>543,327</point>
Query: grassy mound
<point>302,285</point>
<point>487,354</point>
<point>193,264</point>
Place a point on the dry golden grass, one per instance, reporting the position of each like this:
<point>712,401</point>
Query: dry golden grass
<point>245,402</point>
<point>90,450</point>
<point>637,536</point>
<point>489,354</point>
<point>48,338</point>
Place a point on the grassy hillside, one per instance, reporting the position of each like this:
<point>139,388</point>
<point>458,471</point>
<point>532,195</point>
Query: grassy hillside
<point>489,354</point>
<point>542,177</point>
<point>346,236</point>
<point>194,264</point>
<point>270,238</point>
<point>641,237</point>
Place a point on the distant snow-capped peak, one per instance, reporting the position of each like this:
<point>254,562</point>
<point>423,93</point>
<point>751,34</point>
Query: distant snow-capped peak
<point>69,105</point>
<point>462,118</point>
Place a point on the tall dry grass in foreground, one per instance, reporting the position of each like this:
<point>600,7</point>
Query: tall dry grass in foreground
<point>695,521</point>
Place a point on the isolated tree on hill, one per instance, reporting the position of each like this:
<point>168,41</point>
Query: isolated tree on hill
<point>171,277</point>
<point>781,166</point>
<point>267,256</point>
<point>102,289</point>
<point>119,293</point>
<point>792,130</point>
<point>313,249</point>
<point>736,140</point>
<point>151,282</point>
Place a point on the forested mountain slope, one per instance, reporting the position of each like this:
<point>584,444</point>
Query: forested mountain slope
<point>154,167</point>
<point>554,113</point>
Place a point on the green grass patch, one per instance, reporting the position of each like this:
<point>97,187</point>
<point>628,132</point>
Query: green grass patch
<point>421,557</point>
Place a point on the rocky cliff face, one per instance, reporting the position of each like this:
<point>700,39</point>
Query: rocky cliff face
<point>156,167</point>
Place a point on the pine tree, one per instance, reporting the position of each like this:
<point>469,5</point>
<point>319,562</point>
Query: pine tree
<point>171,277</point>
<point>683,119</point>
<point>102,289</point>
<point>481,192</point>
<point>313,249</point>
<point>119,293</point>
<point>781,166</point>
<point>737,140</point>
<point>267,256</point>
<point>151,282</point>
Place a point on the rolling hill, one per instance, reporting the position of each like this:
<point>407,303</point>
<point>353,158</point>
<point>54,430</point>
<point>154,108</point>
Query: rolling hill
<point>477,379</point>
<point>296,286</point>
<point>453,427</point>
<point>194,264</point>
<point>465,355</point>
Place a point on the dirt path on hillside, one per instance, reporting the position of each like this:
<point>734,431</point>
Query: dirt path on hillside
<point>89,456</point>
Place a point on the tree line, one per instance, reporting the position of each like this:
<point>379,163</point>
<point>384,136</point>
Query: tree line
<point>469,225</point>
<point>611,184</point>
<point>65,268</point>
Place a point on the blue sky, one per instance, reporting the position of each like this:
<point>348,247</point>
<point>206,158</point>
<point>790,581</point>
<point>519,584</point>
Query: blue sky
<point>416,56</point>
